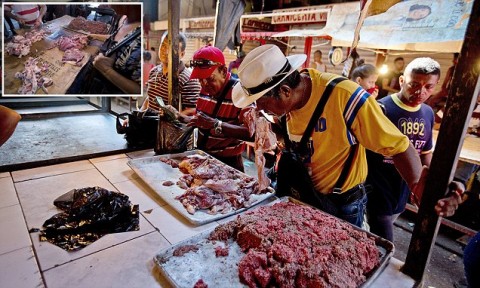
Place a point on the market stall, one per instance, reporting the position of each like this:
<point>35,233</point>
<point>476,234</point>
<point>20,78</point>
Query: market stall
<point>51,58</point>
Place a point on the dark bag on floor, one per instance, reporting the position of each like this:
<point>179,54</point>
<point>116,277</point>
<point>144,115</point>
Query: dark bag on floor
<point>293,178</point>
<point>141,130</point>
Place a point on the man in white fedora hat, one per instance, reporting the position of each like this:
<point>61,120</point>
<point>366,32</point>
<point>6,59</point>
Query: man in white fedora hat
<point>350,119</point>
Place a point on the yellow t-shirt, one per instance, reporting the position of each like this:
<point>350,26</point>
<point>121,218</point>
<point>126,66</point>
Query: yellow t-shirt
<point>348,106</point>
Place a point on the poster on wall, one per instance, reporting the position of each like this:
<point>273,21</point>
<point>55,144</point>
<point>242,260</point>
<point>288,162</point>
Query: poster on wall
<point>416,25</point>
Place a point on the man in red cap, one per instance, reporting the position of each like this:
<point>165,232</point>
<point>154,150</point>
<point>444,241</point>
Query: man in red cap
<point>222,126</point>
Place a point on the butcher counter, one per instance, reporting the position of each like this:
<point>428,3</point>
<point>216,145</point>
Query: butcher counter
<point>63,75</point>
<point>115,260</point>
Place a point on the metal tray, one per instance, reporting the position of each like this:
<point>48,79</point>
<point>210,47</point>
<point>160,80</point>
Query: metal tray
<point>186,270</point>
<point>154,172</point>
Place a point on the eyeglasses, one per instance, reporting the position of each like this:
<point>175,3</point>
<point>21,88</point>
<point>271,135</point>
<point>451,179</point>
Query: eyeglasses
<point>204,64</point>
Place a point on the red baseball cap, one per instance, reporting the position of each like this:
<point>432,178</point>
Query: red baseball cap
<point>205,61</point>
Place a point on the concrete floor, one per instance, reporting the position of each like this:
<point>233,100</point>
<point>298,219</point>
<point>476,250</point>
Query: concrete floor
<point>59,138</point>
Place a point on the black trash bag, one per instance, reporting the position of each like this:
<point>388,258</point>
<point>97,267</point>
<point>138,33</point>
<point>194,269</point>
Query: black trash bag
<point>173,137</point>
<point>89,214</point>
<point>141,131</point>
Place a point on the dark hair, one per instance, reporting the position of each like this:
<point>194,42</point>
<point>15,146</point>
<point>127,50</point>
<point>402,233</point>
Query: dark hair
<point>318,51</point>
<point>398,59</point>
<point>147,56</point>
<point>418,7</point>
<point>152,48</point>
<point>364,71</point>
<point>292,81</point>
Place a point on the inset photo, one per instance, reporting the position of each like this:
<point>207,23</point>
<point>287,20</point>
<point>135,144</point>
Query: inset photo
<point>58,49</point>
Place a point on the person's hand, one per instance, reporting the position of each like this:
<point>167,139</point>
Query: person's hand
<point>202,121</point>
<point>99,58</point>
<point>447,206</point>
<point>417,190</point>
<point>20,20</point>
<point>171,109</point>
<point>125,122</point>
<point>375,94</point>
<point>38,23</point>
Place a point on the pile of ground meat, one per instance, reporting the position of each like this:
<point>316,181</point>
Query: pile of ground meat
<point>82,24</point>
<point>291,245</point>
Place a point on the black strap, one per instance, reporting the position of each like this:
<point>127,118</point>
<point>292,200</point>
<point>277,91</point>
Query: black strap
<point>346,168</point>
<point>206,133</point>
<point>302,147</point>
<point>124,41</point>
<point>319,110</point>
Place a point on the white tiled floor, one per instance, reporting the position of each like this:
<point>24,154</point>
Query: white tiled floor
<point>115,260</point>
<point>19,268</point>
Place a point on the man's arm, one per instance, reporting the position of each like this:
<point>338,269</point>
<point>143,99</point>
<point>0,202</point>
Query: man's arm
<point>43,10</point>
<point>8,122</point>
<point>426,158</point>
<point>387,87</point>
<point>203,121</point>
<point>105,66</point>
<point>409,166</point>
<point>10,14</point>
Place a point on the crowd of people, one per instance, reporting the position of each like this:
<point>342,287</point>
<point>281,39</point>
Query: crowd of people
<point>386,165</point>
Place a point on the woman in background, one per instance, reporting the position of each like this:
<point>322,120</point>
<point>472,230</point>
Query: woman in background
<point>366,75</point>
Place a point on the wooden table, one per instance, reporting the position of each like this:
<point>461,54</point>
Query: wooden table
<point>470,150</point>
<point>62,74</point>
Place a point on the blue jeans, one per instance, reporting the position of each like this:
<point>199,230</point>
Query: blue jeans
<point>354,212</point>
<point>471,261</point>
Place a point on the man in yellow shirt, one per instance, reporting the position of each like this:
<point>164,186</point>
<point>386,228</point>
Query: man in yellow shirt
<point>351,120</point>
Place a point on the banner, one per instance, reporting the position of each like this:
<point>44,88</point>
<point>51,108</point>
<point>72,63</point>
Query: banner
<point>417,25</point>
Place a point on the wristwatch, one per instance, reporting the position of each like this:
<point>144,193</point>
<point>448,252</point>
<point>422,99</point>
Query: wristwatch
<point>217,127</point>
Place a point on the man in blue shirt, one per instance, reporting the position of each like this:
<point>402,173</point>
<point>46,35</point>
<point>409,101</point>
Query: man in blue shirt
<point>415,119</point>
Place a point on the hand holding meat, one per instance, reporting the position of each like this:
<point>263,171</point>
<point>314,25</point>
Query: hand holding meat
<point>202,121</point>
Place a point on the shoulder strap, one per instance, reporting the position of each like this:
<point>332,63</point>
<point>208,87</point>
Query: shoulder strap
<point>319,110</point>
<point>206,133</point>
<point>222,96</point>
<point>124,42</point>
<point>346,168</point>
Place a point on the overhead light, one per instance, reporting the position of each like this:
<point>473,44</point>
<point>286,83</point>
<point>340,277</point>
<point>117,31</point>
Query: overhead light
<point>384,69</point>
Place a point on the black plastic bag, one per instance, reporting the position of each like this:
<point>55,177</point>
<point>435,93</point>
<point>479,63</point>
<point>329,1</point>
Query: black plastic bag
<point>173,137</point>
<point>89,214</point>
<point>141,130</point>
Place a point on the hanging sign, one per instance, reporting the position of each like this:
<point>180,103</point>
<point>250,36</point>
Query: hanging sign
<point>335,55</point>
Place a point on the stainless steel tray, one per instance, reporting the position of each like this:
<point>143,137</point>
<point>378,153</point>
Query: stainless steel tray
<point>154,172</point>
<point>186,270</point>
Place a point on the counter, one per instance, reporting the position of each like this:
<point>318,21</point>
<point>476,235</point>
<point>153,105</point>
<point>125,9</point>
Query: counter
<point>115,260</point>
<point>63,75</point>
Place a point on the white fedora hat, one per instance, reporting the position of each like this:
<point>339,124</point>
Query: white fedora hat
<point>261,70</point>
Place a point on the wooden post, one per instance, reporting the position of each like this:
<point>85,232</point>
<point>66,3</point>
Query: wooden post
<point>173,55</point>
<point>460,104</point>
